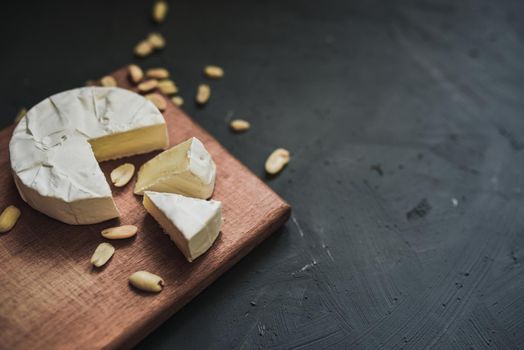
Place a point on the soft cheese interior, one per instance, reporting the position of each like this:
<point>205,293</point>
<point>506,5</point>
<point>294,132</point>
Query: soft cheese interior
<point>56,147</point>
<point>186,169</point>
<point>193,224</point>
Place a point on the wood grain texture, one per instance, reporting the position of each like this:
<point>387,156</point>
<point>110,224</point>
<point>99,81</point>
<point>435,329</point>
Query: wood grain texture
<point>51,297</point>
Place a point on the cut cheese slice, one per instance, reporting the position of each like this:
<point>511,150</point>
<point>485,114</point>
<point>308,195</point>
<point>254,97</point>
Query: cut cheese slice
<point>56,147</point>
<point>193,224</point>
<point>186,169</point>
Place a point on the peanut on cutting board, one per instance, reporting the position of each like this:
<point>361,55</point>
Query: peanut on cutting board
<point>203,93</point>
<point>167,87</point>
<point>277,161</point>
<point>135,73</point>
<point>121,175</point>
<point>8,218</point>
<point>146,281</point>
<point>102,254</point>
<point>157,100</point>
<point>148,85</point>
<point>177,100</point>
<point>120,232</point>
<point>108,81</point>
<point>157,73</point>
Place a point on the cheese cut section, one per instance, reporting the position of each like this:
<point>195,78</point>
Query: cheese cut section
<point>186,169</point>
<point>56,147</point>
<point>193,224</point>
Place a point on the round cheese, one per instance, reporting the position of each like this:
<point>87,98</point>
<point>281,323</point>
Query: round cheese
<point>56,147</point>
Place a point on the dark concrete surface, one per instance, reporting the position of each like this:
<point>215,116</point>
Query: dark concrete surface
<point>388,108</point>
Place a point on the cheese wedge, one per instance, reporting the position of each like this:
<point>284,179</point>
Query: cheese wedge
<point>193,224</point>
<point>186,169</point>
<point>56,147</point>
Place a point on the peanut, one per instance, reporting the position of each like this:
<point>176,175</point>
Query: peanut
<point>120,232</point>
<point>157,100</point>
<point>203,93</point>
<point>121,175</point>
<point>156,40</point>
<point>102,254</point>
<point>239,125</point>
<point>146,281</point>
<point>277,160</point>
<point>167,87</point>
<point>213,72</point>
<point>135,73</point>
<point>108,81</point>
<point>148,85</point>
<point>157,73</point>
<point>160,11</point>
<point>177,100</point>
<point>8,218</point>
<point>143,49</point>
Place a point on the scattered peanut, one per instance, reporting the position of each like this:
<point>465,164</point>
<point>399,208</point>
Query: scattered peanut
<point>143,48</point>
<point>135,73</point>
<point>102,254</point>
<point>21,113</point>
<point>157,100</point>
<point>148,85</point>
<point>160,11</point>
<point>156,40</point>
<point>157,73</point>
<point>177,100</point>
<point>8,218</point>
<point>146,281</point>
<point>277,160</point>
<point>167,87</point>
<point>120,232</point>
<point>239,125</point>
<point>203,93</point>
<point>121,175</point>
<point>90,83</point>
<point>108,81</point>
<point>213,72</point>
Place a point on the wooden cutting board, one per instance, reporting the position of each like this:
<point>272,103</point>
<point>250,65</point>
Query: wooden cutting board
<point>51,297</point>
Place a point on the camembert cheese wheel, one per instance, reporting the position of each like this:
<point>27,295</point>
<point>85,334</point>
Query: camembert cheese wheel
<point>56,147</point>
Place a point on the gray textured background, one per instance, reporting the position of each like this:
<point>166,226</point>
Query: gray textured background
<point>430,93</point>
